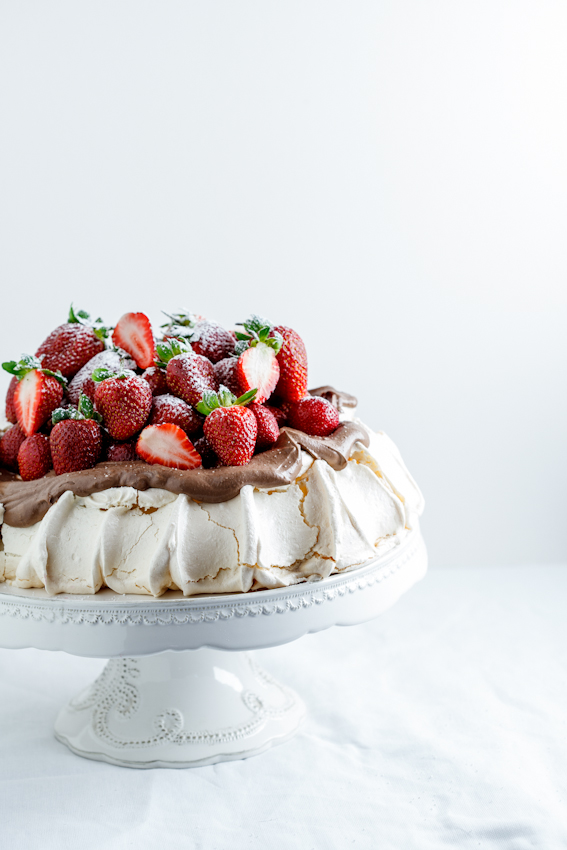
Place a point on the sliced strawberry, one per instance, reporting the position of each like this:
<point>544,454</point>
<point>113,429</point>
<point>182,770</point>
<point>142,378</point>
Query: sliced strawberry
<point>168,445</point>
<point>36,397</point>
<point>134,334</point>
<point>34,457</point>
<point>258,369</point>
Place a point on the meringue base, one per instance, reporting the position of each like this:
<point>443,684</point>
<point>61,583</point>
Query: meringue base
<point>151,541</point>
<point>179,709</point>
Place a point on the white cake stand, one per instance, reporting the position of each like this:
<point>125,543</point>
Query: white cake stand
<point>158,703</point>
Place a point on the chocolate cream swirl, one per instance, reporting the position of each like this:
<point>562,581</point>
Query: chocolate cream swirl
<point>27,502</point>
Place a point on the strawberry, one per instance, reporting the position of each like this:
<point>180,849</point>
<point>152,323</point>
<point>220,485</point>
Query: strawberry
<point>268,429</point>
<point>292,360</point>
<point>34,457</point>
<point>10,409</point>
<point>257,362</point>
<point>83,380</point>
<point>181,325</point>
<point>211,340</point>
<point>71,345</point>
<point>38,393</point>
<point>208,457</point>
<point>169,408</point>
<point>76,439</point>
<point>134,334</point>
<point>280,415</point>
<point>315,416</point>
<point>9,447</point>
<point>226,373</point>
<point>156,379</point>
<point>117,451</point>
<point>188,375</point>
<point>125,401</point>
<point>168,445</point>
<point>230,427</point>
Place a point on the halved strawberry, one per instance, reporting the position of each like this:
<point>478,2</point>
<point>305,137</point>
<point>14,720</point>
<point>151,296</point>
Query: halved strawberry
<point>168,445</point>
<point>258,367</point>
<point>134,334</point>
<point>38,393</point>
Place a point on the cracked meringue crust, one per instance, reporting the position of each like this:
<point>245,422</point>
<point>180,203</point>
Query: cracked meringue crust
<point>300,511</point>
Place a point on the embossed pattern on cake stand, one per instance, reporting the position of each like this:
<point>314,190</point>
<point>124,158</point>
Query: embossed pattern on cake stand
<point>161,703</point>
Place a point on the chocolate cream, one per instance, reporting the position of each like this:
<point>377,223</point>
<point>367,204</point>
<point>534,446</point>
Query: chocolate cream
<point>27,502</point>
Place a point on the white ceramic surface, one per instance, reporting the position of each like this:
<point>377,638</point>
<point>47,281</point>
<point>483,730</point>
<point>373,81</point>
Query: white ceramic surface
<point>158,704</point>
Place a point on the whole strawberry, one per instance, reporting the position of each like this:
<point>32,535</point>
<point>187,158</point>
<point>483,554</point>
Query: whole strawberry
<point>71,345</point>
<point>156,379</point>
<point>292,359</point>
<point>34,457</point>
<point>169,408</point>
<point>134,334</point>
<point>38,393</point>
<point>279,413</point>
<point>211,340</point>
<point>83,380</point>
<point>258,365</point>
<point>208,456</point>
<point>10,409</point>
<point>10,446</point>
<point>124,400</point>
<point>230,427</point>
<point>188,375</point>
<point>268,429</point>
<point>226,373</point>
<point>76,439</point>
<point>315,416</point>
<point>117,451</point>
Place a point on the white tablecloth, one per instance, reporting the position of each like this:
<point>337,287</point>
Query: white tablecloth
<point>441,724</point>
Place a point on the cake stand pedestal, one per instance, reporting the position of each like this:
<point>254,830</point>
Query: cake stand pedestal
<point>181,688</point>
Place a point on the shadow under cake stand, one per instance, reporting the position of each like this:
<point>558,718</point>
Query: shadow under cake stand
<point>160,703</point>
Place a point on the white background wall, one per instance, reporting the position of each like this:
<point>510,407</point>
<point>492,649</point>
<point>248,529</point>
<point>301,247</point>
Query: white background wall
<point>389,177</point>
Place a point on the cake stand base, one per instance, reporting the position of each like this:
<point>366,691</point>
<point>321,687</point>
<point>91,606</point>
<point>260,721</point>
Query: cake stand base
<point>179,709</point>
